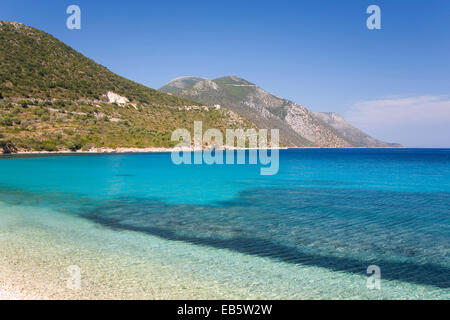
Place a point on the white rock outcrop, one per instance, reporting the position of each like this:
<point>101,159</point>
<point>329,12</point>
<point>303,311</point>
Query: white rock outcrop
<point>117,99</point>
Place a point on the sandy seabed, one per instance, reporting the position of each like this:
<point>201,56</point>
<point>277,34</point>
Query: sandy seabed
<point>38,250</point>
<point>38,246</point>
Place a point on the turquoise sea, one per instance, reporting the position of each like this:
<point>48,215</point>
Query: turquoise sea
<point>140,226</point>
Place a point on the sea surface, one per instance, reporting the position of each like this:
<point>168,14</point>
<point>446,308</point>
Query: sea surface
<point>139,226</point>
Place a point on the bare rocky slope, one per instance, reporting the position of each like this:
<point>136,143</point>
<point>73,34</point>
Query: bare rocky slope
<point>351,133</point>
<point>298,126</point>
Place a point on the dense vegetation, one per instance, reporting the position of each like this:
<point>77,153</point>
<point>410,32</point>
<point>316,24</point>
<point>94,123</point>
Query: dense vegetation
<point>33,64</point>
<point>52,98</point>
<point>34,125</point>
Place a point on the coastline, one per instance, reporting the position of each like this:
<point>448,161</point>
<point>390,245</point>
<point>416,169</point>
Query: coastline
<point>134,150</point>
<point>168,150</point>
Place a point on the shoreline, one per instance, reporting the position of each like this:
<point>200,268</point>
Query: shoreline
<point>134,150</point>
<point>169,150</point>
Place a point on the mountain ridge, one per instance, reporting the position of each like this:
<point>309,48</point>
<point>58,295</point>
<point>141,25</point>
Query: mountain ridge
<point>352,133</point>
<point>299,127</point>
<point>212,93</point>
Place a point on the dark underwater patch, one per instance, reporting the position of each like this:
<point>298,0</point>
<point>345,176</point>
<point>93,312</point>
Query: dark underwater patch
<point>405,233</point>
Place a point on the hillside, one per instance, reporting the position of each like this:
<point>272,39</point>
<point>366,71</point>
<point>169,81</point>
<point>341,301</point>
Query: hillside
<point>298,126</point>
<point>33,64</point>
<point>351,133</point>
<point>54,98</point>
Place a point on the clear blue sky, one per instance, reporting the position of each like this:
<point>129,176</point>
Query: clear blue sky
<point>317,53</point>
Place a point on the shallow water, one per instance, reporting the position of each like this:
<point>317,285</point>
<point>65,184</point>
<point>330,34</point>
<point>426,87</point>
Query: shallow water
<point>310,231</point>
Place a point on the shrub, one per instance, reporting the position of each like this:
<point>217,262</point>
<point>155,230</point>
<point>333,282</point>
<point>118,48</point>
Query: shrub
<point>23,103</point>
<point>8,147</point>
<point>49,145</point>
<point>60,103</point>
<point>6,121</point>
<point>75,144</point>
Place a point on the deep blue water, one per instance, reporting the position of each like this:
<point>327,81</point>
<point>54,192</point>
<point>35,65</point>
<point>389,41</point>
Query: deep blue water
<point>341,209</point>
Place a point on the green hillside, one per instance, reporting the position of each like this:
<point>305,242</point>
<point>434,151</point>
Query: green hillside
<point>53,98</point>
<point>33,64</point>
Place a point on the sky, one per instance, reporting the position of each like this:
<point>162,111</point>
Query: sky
<point>393,83</point>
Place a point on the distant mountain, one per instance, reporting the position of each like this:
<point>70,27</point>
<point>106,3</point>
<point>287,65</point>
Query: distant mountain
<point>351,133</point>
<point>54,98</point>
<point>180,84</point>
<point>298,126</point>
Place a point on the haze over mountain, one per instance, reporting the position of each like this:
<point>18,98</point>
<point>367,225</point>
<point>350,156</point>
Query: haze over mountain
<point>299,127</point>
<point>351,133</point>
<point>54,98</point>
